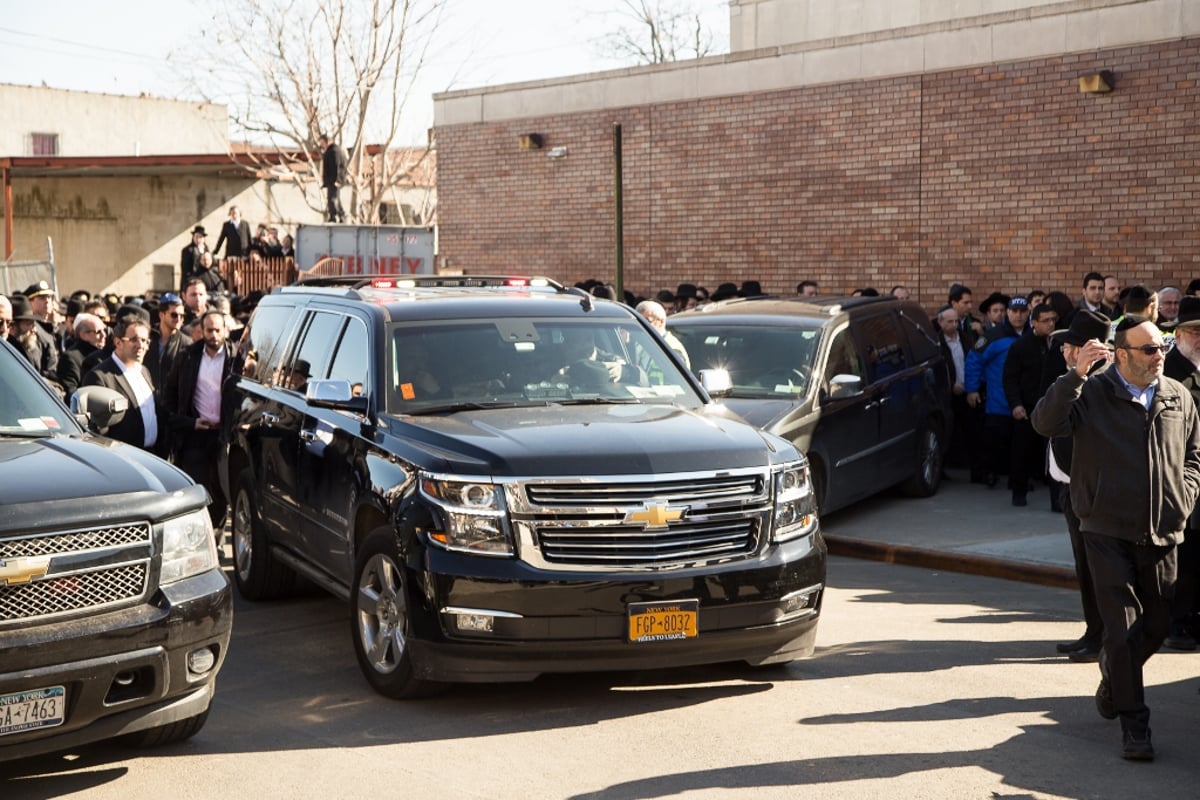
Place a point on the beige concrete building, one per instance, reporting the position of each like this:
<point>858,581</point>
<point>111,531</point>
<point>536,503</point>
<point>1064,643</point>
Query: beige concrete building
<point>117,184</point>
<point>39,121</point>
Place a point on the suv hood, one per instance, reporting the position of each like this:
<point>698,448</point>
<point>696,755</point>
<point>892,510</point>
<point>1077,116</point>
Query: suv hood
<point>88,468</point>
<point>760,412</point>
<point>589,440</point>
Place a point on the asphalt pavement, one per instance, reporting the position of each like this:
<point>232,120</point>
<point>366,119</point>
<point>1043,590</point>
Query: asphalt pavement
<point>965,527</point>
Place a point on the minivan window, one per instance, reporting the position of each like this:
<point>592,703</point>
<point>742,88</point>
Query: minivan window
<point>762,361</point>
<point>882,345</point>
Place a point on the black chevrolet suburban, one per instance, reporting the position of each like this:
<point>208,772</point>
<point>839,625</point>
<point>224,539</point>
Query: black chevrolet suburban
<point>114,614</point>
<point>506,480</point>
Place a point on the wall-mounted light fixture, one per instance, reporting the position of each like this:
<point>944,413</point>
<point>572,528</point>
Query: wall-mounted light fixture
<point>557,152</point>
<point>1101,82</point>
<point>530,141</point>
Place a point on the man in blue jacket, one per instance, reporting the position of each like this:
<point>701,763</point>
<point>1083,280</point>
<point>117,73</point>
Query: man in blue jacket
<point>985,383</point>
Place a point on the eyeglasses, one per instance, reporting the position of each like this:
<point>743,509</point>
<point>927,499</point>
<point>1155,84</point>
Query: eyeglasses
<point>1151,349</point>
<point>135,340</point>
<point>172,314</point>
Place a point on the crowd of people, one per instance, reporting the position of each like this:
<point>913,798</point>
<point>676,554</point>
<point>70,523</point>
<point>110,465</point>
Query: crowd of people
<point>1092,398</point>
<point>167,354</point>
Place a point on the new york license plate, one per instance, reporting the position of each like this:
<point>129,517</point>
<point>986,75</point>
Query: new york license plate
<point>663,621</point>
<point>31,709</point>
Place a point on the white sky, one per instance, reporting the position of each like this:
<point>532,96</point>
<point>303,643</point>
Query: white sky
<point>123,48</point>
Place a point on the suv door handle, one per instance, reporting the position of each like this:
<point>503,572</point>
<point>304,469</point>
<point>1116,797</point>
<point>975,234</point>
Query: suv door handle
<point>268,418</point>
<point>308,436</point>
<point>876,403</point>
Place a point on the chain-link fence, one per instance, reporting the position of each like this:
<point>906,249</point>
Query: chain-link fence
<point>16,276</point>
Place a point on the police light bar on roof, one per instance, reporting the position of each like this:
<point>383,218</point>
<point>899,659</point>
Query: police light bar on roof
<point>465,281</point>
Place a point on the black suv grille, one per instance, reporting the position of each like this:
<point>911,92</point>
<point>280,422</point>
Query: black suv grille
<point>81,573</point>
<point>673,521</point>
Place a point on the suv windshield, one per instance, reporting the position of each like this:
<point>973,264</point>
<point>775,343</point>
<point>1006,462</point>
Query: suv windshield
<point>762,361</point>
<point>525,361</point>
<point>26,407</point>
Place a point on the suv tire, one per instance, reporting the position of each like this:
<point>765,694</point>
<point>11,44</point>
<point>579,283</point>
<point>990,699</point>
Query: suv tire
<point>257,573</point>
<point>168,734</point>
<point>380,621</point>
<point>928,473</point>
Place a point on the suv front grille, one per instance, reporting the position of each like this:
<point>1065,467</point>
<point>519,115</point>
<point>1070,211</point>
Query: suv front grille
<point>89,569</point>
<point>677,520</point>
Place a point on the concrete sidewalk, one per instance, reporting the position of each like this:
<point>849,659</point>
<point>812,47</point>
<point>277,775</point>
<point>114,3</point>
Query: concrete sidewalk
<point>965,527</point>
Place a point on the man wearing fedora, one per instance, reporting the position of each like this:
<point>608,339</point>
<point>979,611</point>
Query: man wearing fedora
<point>1135,476</point>
<point>28,336</point>
<point>189,258</point>
<point>1183,364</point>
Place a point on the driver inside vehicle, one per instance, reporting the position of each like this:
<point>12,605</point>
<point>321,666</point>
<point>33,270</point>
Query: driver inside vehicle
<point>589,368</point>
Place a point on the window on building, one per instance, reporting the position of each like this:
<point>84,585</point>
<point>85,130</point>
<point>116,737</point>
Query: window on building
<point>43,144</point>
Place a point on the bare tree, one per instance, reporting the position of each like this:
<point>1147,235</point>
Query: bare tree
<point>658,31</point>
<point>291,70</point>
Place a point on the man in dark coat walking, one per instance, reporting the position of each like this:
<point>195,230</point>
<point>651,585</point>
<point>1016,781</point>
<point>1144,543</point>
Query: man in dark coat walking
<point>1023,388</point>
<point>333,175</point>
<point>1135,476</point>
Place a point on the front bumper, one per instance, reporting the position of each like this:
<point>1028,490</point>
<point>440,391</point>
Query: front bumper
<point>124,671</point>
<point>571,622</point>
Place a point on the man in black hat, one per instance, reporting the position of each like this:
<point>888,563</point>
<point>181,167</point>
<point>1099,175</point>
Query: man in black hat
<point>1183,364</point>
<point>31,339</point>
<point>1085,326</point>
<point>1135,477</point>
<point>189,258</point>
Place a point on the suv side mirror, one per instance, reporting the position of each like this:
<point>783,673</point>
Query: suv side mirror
<point>716,382</point>
<point>98,407</point>
<point>842,386</point>
<point>336,394</point>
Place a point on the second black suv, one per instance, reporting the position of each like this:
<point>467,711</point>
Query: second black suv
<point>859,384</point>
<point>509,481</point>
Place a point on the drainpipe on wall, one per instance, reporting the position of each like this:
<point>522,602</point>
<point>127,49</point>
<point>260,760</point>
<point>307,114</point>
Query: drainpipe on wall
<point>8,213</point>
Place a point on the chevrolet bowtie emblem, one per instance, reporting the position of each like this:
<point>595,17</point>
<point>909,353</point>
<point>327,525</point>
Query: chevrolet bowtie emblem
<point>16,571</point>
<point>655,516</point>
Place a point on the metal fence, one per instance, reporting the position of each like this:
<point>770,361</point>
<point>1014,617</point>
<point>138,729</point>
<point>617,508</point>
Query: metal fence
<point>16,276</point>
<point>245,275</point>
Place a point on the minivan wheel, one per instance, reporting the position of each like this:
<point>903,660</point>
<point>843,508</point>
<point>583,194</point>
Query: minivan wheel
<point>928,473</point>
<point>380,621</point>
<point>258,574</point>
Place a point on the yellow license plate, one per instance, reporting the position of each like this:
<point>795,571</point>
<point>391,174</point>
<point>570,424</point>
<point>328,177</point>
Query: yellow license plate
<point>662,622</point>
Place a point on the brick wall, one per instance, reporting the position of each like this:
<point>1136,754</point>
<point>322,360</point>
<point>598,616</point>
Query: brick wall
<point>1003,177</point>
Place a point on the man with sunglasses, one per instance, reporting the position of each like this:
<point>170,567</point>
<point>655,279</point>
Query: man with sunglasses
<point>166,342</point>
<point>91,334</point>
<point>1135,476</point>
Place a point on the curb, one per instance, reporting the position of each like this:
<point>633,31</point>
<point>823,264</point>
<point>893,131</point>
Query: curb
<point>987,566</point>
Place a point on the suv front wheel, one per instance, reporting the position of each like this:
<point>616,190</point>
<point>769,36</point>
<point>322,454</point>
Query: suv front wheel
<point>257,573</point>
<point>379,608</point>
<point>928,470</point>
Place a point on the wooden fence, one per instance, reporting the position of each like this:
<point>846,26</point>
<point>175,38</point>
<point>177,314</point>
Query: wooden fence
<point>246,275</point>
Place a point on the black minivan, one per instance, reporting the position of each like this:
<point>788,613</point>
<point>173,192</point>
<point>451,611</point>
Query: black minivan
<point>858,384</point>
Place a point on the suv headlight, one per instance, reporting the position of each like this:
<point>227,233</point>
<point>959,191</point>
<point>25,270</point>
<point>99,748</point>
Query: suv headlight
<point>473,518</point>
<point>189,547</point>
<point>795,505</point>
